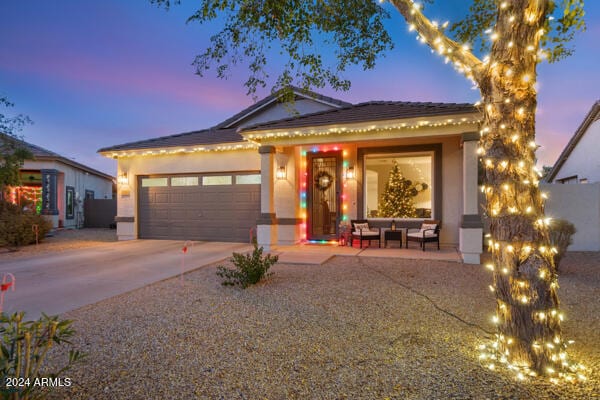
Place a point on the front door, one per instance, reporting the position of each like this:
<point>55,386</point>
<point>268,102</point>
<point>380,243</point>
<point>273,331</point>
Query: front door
<point>323,203</point>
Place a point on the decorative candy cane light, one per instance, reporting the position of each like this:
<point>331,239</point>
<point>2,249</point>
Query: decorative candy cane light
<point>184,250</point>
<point>5,286</point>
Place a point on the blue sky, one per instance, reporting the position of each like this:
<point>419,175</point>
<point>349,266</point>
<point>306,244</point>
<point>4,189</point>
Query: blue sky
<point>92,74</point>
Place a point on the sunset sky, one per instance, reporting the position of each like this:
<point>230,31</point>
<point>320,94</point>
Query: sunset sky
<point>92,74</point>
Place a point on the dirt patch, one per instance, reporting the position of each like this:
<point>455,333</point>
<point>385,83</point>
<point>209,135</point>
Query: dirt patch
<point>64,239</point>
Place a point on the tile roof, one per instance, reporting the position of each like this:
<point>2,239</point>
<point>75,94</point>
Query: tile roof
<point>202,137</point>
<point>224,132</point>
<point>299,93</point>
<point>40,153</point>
<point>227,132</point>
<point>369,111</point>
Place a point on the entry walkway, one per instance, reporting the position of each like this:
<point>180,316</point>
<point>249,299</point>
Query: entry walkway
<point>320,253</point>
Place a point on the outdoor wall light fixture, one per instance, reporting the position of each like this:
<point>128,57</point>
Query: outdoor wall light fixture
<point>350,173</point>
<point>123,179</point>
<point>281,174</point>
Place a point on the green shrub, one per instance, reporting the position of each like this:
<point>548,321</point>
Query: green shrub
<point>561,236</point>
<point>16,226</point>
<point>24,347</point>
<point>249,268</point>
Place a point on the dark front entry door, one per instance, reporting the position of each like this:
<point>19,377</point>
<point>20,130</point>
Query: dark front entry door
<point>323,195</point>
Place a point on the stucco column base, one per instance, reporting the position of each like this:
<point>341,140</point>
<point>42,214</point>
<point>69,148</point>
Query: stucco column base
<point>126,230</point>
<point>53,220</point>
<point>471,245</point>
<point>286,235</point>
<point>266,236</point>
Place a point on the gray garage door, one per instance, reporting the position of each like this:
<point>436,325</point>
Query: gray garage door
<point>219,207</point>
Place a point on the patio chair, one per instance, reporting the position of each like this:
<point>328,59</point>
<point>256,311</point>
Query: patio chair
<point>429,232</point>
<point>362,231</point>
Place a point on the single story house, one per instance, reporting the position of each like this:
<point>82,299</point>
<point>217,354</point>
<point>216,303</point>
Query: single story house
<point>295,173</point>
<point>56,186</point>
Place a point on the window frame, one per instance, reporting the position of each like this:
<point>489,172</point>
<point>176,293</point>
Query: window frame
<point>149,178</point>
<point>436,185</point>
<point>186,181</point>
<point>207,178</point>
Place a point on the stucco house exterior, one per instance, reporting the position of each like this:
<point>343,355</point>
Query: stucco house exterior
<point>573,186</point>
<point>57,186</point>
<point>579,162</point>
<point>296,173</point>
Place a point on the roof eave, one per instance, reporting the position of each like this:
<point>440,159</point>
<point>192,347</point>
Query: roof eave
<point>399,123</point>
<point>298,92</point>
<point>169,150</point>
<point>73,164</point>
<point>564,155</point>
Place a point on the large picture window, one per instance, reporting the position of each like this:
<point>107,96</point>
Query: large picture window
<point>398,185</point>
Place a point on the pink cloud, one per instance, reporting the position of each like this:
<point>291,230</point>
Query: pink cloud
<point>75,70</point>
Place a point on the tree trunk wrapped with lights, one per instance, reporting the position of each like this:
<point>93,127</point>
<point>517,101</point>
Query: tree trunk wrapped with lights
<point>525,279</point>
<point>529,338</point>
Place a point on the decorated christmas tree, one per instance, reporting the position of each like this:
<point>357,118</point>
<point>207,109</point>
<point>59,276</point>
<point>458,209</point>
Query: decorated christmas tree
<point>397,198</point>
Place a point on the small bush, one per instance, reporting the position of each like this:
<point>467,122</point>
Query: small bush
<point>24,347</point>
<point>250,268</point>
<point>16,226</point>
<point>561,237</point>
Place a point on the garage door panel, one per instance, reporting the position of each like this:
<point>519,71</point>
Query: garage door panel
<point>161,198</point>
<point>159,214</point>
<point>212,213</point>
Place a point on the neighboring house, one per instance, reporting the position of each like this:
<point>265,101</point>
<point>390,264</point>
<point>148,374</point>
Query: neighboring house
<point>56,186</point>
<point>574,184</point>
<point>296,177</point>
<point>580,160</point>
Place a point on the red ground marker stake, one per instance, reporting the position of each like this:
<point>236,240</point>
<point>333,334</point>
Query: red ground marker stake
<point>184,251</point>
<point>5,286</point>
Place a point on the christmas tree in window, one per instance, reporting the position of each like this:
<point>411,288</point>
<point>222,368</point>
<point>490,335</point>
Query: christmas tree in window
<point>397,198</point>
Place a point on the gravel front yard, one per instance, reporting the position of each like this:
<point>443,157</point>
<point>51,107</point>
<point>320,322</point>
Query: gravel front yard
<point>352,328</point>
<point>64,239</point>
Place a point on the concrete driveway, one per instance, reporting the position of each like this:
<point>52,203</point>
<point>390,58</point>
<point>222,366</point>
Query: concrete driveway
<point>56,282</point>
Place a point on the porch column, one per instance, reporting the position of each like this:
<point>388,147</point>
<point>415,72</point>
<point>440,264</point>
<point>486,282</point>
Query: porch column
<point>266,226</point>
<point>50,195</point>
<point>471,227</point>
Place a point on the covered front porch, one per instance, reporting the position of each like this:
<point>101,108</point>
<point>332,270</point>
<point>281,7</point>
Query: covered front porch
<point>316,179</point>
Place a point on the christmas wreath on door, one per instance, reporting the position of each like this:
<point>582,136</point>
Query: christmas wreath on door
<point>323,180</point>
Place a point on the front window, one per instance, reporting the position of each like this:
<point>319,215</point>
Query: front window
<point>398,185</point>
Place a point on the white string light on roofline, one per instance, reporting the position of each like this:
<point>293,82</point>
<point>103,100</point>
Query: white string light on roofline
<point>184,150</point>
<point>288,134</point>
<point>372,128</point>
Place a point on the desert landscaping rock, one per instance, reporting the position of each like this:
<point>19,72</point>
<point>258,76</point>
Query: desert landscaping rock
<point>64,239</point>
<point>348,329</point>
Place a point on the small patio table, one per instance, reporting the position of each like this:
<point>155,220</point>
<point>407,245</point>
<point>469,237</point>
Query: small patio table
<point>392,235</point>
